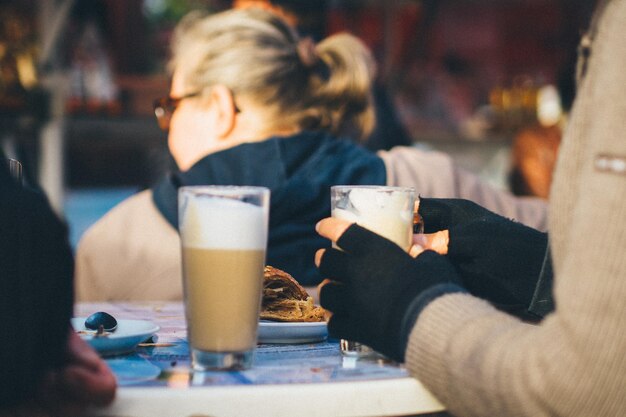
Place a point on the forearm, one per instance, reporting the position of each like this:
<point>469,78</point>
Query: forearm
<point>479,361</point>
<point>435,174</point>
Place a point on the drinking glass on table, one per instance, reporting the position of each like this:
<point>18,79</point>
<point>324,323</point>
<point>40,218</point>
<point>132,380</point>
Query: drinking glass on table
<point>387,211</point>
<point>223,231</point>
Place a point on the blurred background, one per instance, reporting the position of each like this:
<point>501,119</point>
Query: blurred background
<point>488,81</point>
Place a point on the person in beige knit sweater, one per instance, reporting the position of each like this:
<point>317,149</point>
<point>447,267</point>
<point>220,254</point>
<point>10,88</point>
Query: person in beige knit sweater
<point>438,314</point>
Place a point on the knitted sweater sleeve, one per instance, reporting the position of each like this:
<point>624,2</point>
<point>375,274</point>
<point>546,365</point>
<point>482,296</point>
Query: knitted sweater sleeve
<point>479,361</point>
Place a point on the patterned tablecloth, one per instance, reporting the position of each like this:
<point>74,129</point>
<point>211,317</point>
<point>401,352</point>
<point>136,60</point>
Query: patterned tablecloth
<point>160,373</point>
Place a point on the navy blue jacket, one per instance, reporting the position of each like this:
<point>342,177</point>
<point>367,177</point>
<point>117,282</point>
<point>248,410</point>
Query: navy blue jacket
<point>299,171</point>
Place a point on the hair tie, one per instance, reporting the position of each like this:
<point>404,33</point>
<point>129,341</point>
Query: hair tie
<point>311,60</point>
<point>306,52</point>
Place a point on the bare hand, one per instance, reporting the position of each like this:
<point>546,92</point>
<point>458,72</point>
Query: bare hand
<point>332,228</point>
<point>84,381</point>
<point>437,242</point>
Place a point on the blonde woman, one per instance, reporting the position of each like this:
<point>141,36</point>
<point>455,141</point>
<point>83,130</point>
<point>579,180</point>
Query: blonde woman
<point>253,104</point>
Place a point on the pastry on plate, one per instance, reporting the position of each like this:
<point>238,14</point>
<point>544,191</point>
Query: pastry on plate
<point>284,299</point>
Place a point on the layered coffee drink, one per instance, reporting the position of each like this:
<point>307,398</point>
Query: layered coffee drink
<point>223,256</point>
<point>217,285</point>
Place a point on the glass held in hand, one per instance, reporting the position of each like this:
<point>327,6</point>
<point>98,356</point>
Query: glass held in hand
<point>387,211</point>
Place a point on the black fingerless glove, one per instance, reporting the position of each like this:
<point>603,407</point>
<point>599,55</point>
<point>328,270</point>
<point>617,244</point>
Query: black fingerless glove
<point>444,213</point>
<point>378,290</point>
<point>498,259</point>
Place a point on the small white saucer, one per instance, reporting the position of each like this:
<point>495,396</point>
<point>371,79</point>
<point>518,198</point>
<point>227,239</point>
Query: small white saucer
<point>124,339</point>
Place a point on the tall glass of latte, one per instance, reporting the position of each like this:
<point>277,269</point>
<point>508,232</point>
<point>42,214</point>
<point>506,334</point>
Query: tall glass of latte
<point>223,231</point>
<point>387,211</point>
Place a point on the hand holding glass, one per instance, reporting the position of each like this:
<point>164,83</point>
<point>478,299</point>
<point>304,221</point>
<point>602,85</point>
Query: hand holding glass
<point>387,211</point>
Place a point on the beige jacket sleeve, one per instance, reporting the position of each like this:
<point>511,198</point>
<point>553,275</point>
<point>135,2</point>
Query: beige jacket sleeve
<point>434,174</point>
<point>480,362</point>
<point>131,253</point>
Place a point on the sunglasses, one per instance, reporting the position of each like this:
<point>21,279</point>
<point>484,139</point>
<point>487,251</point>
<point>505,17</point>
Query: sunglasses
<point>165,107</point>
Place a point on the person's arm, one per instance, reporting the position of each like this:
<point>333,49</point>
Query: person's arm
<point>35,289</point>
<point>374,289</point>
<point>475,359</point>
<point>36,298</point>
<point>85,380</point>
<point>479,361</point>
<point>434,174</point>
<point>499,260</point>
<point>127,251</point>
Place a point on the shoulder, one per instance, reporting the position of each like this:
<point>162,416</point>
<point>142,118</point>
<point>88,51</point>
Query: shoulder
<point>128,247</point>
<point>408,156</point>
<point>344,146</point>
<point>429,171</point>
<point>135,218</point>
<point>341,160</point>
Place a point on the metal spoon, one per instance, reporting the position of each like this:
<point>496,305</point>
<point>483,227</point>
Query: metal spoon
<point>101,319</point>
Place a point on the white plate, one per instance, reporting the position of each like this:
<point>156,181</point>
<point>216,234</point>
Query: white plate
<point>124,339</point>
<point>279,332</point>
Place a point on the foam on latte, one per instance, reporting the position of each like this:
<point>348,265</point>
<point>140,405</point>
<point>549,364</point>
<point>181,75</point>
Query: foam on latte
<point>221,223</point>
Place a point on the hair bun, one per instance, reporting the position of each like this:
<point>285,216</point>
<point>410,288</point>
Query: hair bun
<point>307,53</point>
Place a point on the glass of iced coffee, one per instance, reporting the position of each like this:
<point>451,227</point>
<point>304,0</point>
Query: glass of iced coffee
<point>223,231</point>
<point>387,211</point>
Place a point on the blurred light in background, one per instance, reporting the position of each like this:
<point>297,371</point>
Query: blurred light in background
<point>549,109</point>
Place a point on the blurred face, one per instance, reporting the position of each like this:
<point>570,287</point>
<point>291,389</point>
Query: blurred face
<point>190,134</point>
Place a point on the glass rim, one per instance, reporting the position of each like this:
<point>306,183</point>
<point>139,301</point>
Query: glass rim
<point>16,169</point>
<point>223,189</point>
<point>373,187</point>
